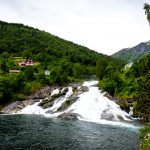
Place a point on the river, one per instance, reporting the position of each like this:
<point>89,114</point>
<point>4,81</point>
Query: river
<point>35,132</point>
<point>98,123</point>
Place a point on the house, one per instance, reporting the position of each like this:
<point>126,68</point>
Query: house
<point>14,71</point>
<point>22,63</point>
<point>28,62</point>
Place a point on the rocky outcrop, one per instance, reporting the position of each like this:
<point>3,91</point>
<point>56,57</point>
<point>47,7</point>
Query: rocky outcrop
<point>84,89</point>
<point>49,112</point>
<point>69,116</point>
<point>115,99</point>
<point>49,101</point>
<point>79,90</point>
<point>123,103</point>
<point>68,103</point>
<point>107,115</point>
<point>120,118</point>
<point>16,106</point>
<point>42,93</point>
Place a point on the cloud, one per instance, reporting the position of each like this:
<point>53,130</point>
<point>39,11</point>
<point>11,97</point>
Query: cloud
<point>105,26</point>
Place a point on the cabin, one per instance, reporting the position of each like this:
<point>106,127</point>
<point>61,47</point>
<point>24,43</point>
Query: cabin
<point>28,62</point>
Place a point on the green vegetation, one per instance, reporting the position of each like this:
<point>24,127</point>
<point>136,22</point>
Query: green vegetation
<point>147,11</point>
<point>66,61</point>
<point>129,83</point>
<point>145,138</point>
<point>142,107</point>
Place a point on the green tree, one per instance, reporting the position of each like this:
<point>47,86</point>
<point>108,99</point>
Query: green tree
<point>147,11</point>
<point>142,107</point>
<point>101,67</point>
<point>77,70</point>
<point>3,65</point>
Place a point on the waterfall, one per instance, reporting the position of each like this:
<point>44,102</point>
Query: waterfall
<point>85,102</point>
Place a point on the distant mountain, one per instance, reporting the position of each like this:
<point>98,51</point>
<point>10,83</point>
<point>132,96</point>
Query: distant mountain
<point>134,53</point>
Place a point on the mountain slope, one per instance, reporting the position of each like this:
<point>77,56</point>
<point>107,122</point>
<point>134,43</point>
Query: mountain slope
<point>26,41</point>
<point>134,53</point>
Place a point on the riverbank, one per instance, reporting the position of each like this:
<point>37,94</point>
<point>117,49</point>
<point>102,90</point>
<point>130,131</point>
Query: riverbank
<point>145,137</point>
<point>82,101</point>
<point>40,94</point>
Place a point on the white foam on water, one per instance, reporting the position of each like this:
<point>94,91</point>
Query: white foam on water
<point>32,109</point>
<point>90,83</point>
<point>89,106</point>
<point>56,91</point>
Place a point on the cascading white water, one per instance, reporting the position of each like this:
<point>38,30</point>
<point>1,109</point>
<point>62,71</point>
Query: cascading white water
<point>93,103</point>
<point>91,106</point>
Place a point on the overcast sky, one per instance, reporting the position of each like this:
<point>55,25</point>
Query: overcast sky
<point>102,25</point>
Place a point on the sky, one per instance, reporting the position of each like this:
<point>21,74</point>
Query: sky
<point>105,26</point>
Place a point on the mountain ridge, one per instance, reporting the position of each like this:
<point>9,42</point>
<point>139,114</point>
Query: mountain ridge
<point>134,53</point>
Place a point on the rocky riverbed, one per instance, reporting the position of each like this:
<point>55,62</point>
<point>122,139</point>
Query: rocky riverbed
<point>74,101</point>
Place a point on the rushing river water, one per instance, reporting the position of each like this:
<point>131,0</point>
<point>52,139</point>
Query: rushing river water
<point>35,132</point>
<point>101,125</point>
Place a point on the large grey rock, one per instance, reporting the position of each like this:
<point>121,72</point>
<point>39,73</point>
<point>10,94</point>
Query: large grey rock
<point>16,106</point>
<point>84,89</point>
<point>42,93</point>
<point>120,118</point>
<point>49,112</point>
<point>49,101</point>
<point>68,103</point>
<point>107,116</point>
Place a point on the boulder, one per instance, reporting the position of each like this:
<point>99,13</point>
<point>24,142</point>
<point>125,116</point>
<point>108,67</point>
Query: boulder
<point>84,89</point>
<point>107,116</point>
<point>39,94</point>
<point>129,117</point>
<point>67,103</point>
<point>69,116</point>
<point>43,102</point>
<point>109,97</point>
<point>120,118</point>
<point>13,107</point>
<point>42,93</point>
<point>49,112</point>
<point>47,102</point>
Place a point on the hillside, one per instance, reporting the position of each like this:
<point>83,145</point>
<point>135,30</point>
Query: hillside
<point>134,53</point>
<point>39,51</point>
<point>26,41</point>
